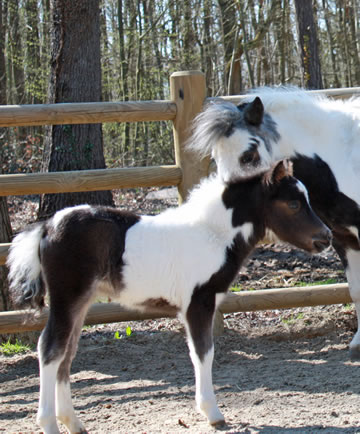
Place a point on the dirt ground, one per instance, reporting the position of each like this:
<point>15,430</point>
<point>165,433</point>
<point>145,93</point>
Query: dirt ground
<point>278,371</point>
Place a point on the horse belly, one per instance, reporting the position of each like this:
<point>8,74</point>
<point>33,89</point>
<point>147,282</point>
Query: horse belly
<point>167,263</point>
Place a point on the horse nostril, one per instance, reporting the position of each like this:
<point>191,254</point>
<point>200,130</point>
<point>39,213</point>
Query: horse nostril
<point>322,241</point>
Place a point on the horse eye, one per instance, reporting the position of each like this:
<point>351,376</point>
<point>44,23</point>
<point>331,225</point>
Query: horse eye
<point>247,158</point>
<point>294,204</point>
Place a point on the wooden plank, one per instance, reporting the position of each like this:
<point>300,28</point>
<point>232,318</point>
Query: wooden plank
<point>278,298</point>
<point>99,313</point>
<point>86,113</point>
<point>285,298</point>
<point>89,180</point>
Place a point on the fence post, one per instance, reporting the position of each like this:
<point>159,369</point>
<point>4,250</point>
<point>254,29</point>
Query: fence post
<point>188,91</point>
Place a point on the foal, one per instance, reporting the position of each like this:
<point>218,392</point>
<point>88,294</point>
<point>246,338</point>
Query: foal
<point>183,259</point>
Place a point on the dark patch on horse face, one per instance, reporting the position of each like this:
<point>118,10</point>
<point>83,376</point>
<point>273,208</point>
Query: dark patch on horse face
<point>87,246</point>
<point>251,156</point>
<point>333,207</point>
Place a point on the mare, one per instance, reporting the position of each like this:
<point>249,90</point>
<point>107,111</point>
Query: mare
<point>322,138</point>
<point>183,259</point>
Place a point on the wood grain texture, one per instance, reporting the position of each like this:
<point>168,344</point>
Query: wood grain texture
<point>86,113</point>
<point>187,89</point>
<point>89,180</point>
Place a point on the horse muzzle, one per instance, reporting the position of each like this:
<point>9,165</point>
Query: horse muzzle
<point>321,241</point>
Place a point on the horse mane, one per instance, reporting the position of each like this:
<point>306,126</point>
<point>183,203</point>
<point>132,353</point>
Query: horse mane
<point>214,122</point>
<point>277,97</point>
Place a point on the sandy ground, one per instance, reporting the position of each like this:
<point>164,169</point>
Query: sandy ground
<point>274,372</point>
<point>279,371</point>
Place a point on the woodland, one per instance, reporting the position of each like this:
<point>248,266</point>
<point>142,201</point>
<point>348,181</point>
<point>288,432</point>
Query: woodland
<point>55,51</point>
<point>238,44</point>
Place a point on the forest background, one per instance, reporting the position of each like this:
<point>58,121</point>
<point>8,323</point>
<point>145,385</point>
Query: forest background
<point>238,44</point>
<point>50,52</point>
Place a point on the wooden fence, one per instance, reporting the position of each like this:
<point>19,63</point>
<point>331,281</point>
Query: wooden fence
<point>187,92</point>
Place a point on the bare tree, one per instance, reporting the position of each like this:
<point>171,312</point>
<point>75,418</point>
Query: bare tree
<point>5,227</point>
<point>75,77</point>
<point>308,44</point>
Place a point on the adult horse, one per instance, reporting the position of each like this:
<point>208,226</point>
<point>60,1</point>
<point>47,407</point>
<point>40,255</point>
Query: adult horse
<point>320,135</point>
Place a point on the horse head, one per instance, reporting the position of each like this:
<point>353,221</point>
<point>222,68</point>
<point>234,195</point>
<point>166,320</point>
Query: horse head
<point>239,138</point>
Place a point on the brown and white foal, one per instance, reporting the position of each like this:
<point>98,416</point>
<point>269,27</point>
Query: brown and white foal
<point>184,258</point>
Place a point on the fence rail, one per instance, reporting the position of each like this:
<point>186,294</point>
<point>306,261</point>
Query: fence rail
<point>86,113</point>
<point>100,313</point>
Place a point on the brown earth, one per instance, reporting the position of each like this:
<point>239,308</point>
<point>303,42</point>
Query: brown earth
<point>278,371</point>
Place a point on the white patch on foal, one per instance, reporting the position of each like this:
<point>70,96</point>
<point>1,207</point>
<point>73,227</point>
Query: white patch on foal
<point>59,216</point>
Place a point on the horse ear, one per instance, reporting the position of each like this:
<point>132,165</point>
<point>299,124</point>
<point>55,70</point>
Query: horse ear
<point>254,112</point>
<point>281,169</point>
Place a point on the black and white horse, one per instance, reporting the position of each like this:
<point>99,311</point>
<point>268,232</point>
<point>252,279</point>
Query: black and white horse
<point>183,259</point>
<point>322,138</point>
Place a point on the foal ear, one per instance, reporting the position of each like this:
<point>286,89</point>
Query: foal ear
<point>254,112</point>
<point>281,169</point>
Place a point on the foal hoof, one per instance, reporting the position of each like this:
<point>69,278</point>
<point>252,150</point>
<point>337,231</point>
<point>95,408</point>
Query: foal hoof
<point>218,424</point>
<point>355,353</point>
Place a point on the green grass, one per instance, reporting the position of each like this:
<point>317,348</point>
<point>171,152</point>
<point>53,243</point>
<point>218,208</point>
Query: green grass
<point>9,349</point>
<point>292,318</point>
<point>240,288</point>
<point>318,282</point>
<point>128,333</point>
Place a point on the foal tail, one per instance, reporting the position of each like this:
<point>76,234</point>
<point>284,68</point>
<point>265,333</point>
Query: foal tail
<point>27,289</point>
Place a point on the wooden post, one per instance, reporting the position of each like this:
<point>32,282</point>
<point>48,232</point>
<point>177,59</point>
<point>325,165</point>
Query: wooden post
<point>188,91</point>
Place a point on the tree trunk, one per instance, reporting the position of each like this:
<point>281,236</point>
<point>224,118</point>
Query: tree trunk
<point>5,237</point>
<point>331,42</point>
<point>124,68</point>
<point>18,90</point>
<point>353,43</point>
<point>308,44</point>
<point>5,227</point>
<point>2,58</point>
<point>75,77</point>
<point>33,53</point>
<point>229,26</point>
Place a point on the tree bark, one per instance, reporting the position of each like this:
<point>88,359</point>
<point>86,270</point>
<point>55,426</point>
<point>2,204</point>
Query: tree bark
<point>308,44</point>
<point>229,25</point>
<point>331,42</point>
<point>5,227</point>
<point>75,77</point>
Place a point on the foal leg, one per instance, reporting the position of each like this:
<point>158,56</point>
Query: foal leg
<point>199,323</point>
<point>353,276</point>
<point>64,408</point>
<point>51,349</point>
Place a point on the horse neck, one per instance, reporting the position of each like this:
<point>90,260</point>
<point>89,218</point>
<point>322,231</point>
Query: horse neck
<point>224,210</point>
<point>307,124</point>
